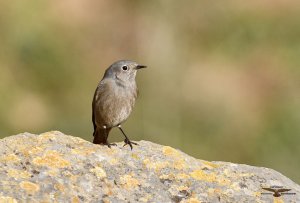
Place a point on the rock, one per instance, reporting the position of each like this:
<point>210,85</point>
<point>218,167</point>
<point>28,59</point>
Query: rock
<point>56,167</point>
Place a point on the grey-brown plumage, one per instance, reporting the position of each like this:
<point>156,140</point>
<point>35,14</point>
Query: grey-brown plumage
<point>114,100</point>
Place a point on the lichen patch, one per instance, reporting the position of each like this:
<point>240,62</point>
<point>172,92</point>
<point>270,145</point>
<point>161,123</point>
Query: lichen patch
<point>201,175</point>
<point>6,199</point>
<point>18,174</point>
<point>51,159</point>
<point>128,182</point>
<point>29,187</point>
<point>192,200</point>
<point>10,158</point>
<point>209,164</point>
<point>169,151</point>
<point>99,172</point>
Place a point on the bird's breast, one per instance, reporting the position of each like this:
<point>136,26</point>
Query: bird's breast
<point>115,105</point>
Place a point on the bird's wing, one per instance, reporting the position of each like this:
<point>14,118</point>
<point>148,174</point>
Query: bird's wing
<point>269,189</point>
<point>283,190</point>
<point>99,92</point>
<point>93,113</point>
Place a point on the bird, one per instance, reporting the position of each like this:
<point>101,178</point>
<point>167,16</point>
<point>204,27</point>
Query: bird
<point>114,100</point>
<point>277,192</point>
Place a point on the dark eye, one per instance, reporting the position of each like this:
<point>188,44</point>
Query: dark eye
<point>124,68</point>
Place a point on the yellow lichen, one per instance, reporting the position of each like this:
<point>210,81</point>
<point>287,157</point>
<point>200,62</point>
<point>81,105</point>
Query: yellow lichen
<point>169,151</point>
<point>146,162</point>
<point>278,200</point>
<point>18,174</point>
<point>6,199</point>
<point>180,164</point>
<point>257,194</point>
<point>53,172</point>
<point>201,175</point>
<point>129,182</point>
<point>47,135</point>
<point>59,187</point>
<point>113,161</point>
<point>224,181</point>
<point>155,165</point>
<point>135,156</point>
<point>10,158</point>
<point>99,172</point>
<point>29,187</point>
<point>182,176</point>
<point>35,150</point>
<point>75,200</point>
<point>245,174</point>
<point>51,159</point>
<point>146,198</point>
<point>192,200</point>
<point>83,151</point>
<point>182,188</point>
<point>209,164</point>
<point>167,177</point>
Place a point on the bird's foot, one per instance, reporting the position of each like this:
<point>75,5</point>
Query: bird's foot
<point>110,144</point>
<point>128,142</point>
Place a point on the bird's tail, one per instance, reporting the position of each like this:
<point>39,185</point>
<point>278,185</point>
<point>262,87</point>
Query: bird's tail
<point>100,136</point>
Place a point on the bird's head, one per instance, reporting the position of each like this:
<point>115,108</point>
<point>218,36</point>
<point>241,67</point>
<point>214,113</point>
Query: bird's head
<point>123,70</point>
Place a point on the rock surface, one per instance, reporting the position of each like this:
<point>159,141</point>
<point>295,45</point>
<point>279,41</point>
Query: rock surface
<point>53,167</point>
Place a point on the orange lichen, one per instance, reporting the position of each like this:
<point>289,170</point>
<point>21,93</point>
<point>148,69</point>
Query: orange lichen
<point>29,187</point>
<point>75,200</point>
<point>129,182</point>
<point>83,151</point>
<point>59,187</point>
<point>51,159</point>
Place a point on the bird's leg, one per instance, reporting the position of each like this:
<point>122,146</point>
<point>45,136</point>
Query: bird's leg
<point>127,141</point>
<point>106,138</point>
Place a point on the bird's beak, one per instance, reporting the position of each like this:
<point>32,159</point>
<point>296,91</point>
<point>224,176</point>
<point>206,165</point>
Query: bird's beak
<point>140,66</point>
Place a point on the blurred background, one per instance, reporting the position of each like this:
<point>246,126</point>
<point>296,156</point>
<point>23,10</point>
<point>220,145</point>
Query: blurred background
<point>223,81</point>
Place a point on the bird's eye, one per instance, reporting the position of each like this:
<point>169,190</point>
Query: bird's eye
<point>124,68</point>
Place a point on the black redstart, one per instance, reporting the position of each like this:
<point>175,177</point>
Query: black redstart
<point>114,100</point>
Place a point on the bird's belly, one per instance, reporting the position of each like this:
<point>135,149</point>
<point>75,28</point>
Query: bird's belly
<point>113,111</point>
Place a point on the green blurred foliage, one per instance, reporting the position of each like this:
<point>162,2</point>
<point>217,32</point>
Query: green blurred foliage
<point>223,81</point>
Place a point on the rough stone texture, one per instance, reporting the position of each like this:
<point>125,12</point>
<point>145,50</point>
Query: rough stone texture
<point>53,167</point>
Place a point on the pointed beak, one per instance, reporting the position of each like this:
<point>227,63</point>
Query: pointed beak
<point>140,66</point>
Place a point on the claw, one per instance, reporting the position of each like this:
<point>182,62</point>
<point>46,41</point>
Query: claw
<point>128,142</point>
<point>110,144</point>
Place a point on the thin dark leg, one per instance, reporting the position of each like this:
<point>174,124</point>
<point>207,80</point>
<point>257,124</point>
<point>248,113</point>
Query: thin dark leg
<point>127,141</point>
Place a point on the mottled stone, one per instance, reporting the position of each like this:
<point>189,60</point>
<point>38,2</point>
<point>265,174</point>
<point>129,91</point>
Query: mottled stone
<point>53,167</point>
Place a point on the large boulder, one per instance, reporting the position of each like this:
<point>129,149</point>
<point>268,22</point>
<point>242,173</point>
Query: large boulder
<point>53,167</point>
